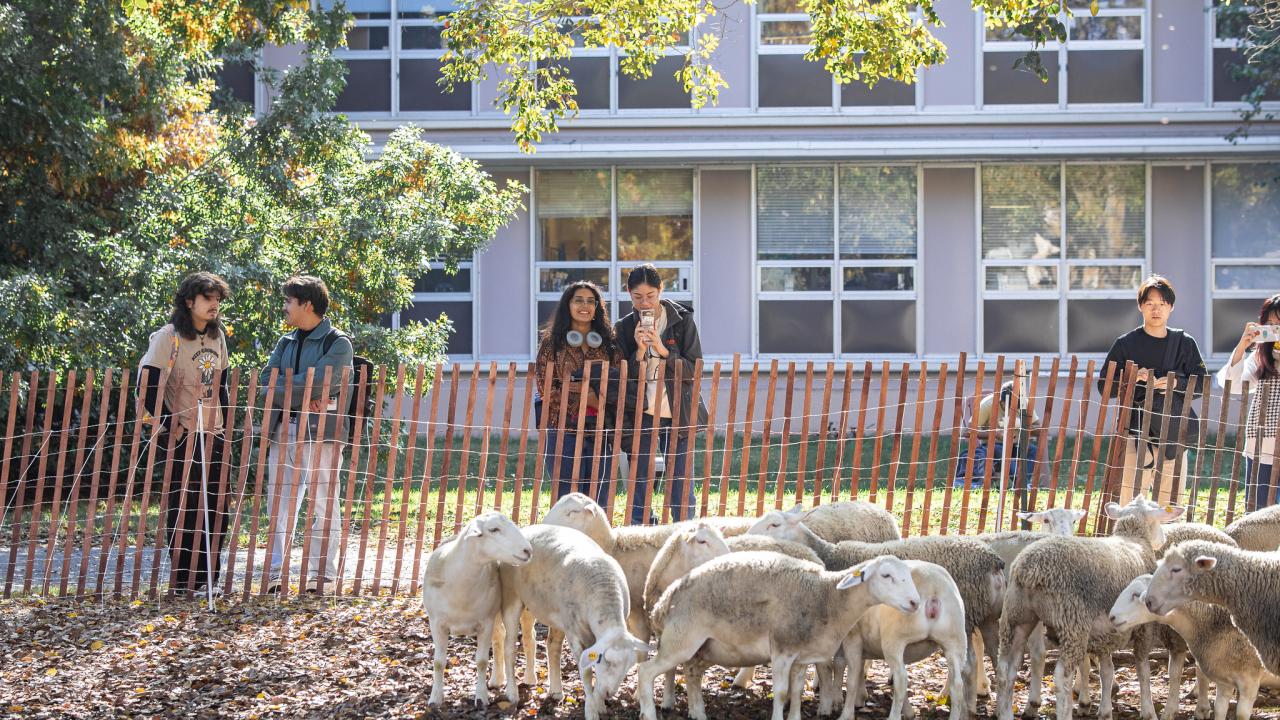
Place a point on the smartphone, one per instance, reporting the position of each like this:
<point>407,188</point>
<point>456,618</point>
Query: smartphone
<point>646,318</point>
<point>1268,333</point>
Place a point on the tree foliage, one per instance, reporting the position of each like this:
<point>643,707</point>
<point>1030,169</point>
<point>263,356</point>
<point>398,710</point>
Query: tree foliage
<point>1258,25</point>
<point>856,40</point>
<point>124,169</point>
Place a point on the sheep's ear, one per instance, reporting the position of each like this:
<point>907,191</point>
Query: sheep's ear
<point>1173,511</point>
<point>1114,511</point>
<point>1029,516</point>
<point>854,578</point>
<point>797,510</point>
<point>640,645</point>
<point>473,529</point>
<point>1206,562</point>
<point>1078,514</point>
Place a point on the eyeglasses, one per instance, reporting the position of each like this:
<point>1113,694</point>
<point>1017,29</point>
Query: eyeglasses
<point>583,301</point>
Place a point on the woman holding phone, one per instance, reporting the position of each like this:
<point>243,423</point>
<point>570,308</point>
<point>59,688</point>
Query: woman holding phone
<point>1256,360</point>
<point>577,333</point>
<point>656,331</point>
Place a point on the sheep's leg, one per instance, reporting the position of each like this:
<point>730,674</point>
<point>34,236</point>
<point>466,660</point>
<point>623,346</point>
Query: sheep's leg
<point>693,689</point>
<point>1148,708</point>
<point>1204,707</point>
<point>1013,637</point>
<point>898,671</point>
<point>555,675</point>
<point>990,644</point>
<point>782,665</point>
<point>511,619</point>
<point>1246,695</point>
<point>1035,670</point>
<point>966,670</point>
<point>1082,682</point>
<point>796,682</point>
<point>1071,650</point>
<point>1106,681</point>
<point>498,677</point>
<point>1221,702</point>
<point>590,705</point>
<point>484,639</point>
<point>828,688</point>
<point>440,642</point>
<point>852,649</point>
<point>979,650</point>
<point>745,678</point>
<point>529,641</point>
<point>669,688</point>
<point>954,652</point>
<point>1176,660</point>
<point>674,648</point>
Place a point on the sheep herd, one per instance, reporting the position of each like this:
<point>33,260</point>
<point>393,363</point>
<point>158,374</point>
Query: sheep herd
<point>836,586</point>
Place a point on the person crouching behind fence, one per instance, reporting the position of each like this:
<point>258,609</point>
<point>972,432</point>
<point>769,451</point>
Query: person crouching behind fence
<point>1261,369</point>
<point>1022,425</point>
<point>306,460</point>
<point>578,333</point>
<point>190,405</point>
<point>1157,350</point>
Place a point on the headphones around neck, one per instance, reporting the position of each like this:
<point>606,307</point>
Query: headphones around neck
<point>575,339</point>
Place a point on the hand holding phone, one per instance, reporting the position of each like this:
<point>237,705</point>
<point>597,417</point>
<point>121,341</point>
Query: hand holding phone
<point>1268,333</point>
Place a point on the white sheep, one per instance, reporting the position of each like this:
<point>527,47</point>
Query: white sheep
<point>850,520</point>
<point>580,593</point>
<point>749,608</point>
<point>1223,653</point>
<point>1068,584</point>
<point>902,638</point>
<point>1258,530</point>
<point>461,593</point>
<point>1244,582</point>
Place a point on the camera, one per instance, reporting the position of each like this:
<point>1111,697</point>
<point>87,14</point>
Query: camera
<point>1268,333</point>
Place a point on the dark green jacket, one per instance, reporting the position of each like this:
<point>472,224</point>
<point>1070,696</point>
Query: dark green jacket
<point>283,358</point>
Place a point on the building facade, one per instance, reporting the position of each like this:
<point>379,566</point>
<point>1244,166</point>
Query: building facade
<point>978,210</point>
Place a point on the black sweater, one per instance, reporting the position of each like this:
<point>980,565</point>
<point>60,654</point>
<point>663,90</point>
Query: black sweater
<point>1150,352</point>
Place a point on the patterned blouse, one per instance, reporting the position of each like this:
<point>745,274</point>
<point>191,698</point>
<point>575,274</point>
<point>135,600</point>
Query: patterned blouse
<point>564,364</point>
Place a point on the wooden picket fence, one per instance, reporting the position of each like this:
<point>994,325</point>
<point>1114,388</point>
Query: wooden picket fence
<point>86,488</point>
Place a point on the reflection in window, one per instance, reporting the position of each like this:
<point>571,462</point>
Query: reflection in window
<point>573,214</point>
<point>794,212</point>
<point>1245,256</point>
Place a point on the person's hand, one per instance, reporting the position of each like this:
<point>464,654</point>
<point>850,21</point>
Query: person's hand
<point>316,405</point>
<point>644,337</point>
<point>1144,375</point>
<point>1250,335</point>
<point>1161,383</point>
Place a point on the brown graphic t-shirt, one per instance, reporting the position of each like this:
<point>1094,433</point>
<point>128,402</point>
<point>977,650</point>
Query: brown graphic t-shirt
<point>193,377</point>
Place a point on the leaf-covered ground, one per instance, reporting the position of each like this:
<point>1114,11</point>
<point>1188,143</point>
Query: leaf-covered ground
<point>319,658</point>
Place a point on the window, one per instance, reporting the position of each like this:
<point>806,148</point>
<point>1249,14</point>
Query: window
<point>1063,248</point>
<point>1100,63</point>
<point>787,79</point>
<point>1245,257</point>
<point>836,259</point>
<point>235,80</point>
<point>602,86</point>
<point>597,224</point>
<point>1228,52</point>
<point>439,293</point>
<point>393,59</point>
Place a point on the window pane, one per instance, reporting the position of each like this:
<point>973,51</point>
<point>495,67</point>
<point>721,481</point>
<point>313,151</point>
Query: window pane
<point>460,340</point>
<point>886,93</point>
<point>792,81</point>
<point>786,279</point>
<point>237,79</point>
<point>557,279</point>
<point>1247,277</point>
<point>1246,210</point>
<point>1092,325</point>
<point>361,8</point>
<point>368,87</point>
<point>795,212</point>
<point>781,7</point>
<point>1002,85</point>
<point>624,305</point>
<point>655,214</point>
<point>1020,326</point>
<point>1106,211</point>
<point>1107,4</point>
<point>369,38</point>
<point>438,280</point>
<point>796,326</point>
<point>1106,27</point>
<point>423,9</point>
<point>419,91</point>
<point>1104,76</point>
<point>877,212</point>
<point>590,75</point>
<point>879,278</point>
<point>1105,277</point>
<point>677,280</point>
<point>1232,22</point>
<point>421,37</point>
<point>1021,211</point>
<point>786,32</point>
<point>573,214</point>
<point>1030,277</point>
<point>878,326</point>
<point>660,90</point>
<point>1229,317</point>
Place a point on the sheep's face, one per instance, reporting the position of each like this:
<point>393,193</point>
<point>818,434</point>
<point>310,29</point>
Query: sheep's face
<point>1169,586</point>
<point>1130,609</point>
<point>888,579</point>
<point>1152,514</point>
<point>609,661</point>
<point>499,539</point>
<point>779,525</point>
<point>581,513</point>
<point>704,544</point>
<point>1055,521</point>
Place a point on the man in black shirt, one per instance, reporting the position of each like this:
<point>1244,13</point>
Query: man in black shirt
<point>1157,350</point>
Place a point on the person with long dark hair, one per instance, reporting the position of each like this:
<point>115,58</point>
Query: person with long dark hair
<point>189,356</point>
<point>1258,363</point>
<point>577,332</point>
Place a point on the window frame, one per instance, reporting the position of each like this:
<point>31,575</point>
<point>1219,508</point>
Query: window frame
<point>1062,51</point>
<point>837,294</point>
<point>614,293</point>
<point>1211,263</point>
<point>1063,294</point>
<point>471,296</point>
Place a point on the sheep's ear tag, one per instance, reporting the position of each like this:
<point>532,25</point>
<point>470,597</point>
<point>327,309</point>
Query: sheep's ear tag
<point>853,579</point>
<point>1168,508</point>
<point>593,656</point>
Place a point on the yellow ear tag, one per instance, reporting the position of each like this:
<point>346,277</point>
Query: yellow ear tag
<point>1168,508</point>
<point>857,573</point>
<point>593,656</point>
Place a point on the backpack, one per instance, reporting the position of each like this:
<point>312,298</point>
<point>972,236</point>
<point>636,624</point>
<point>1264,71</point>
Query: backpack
<point>360,366</point>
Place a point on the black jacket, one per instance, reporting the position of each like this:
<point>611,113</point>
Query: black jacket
<point>684,347</point>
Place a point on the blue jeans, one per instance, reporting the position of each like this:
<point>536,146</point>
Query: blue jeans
<point>679,487</point>
<point>565,444</point>
<point>1021,472</point>
<point>1261,492</point>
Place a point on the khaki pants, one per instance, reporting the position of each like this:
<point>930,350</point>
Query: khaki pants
<point>1141,463</point>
